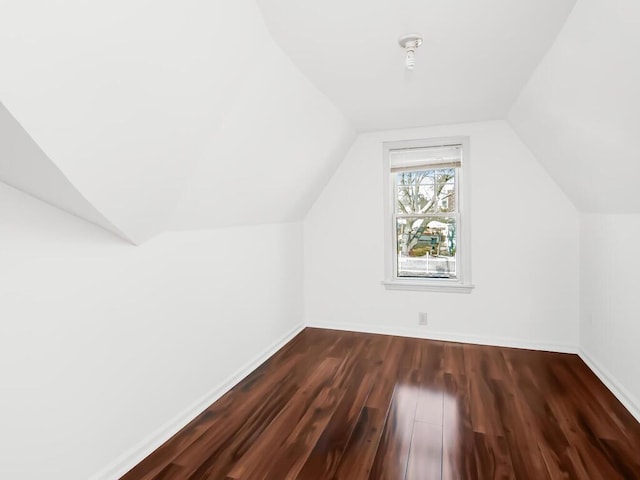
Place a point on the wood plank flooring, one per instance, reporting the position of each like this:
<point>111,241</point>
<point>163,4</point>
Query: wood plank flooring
<point>343,405</point>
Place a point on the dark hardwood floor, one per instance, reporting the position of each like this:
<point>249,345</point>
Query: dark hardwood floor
<point>342,405</point>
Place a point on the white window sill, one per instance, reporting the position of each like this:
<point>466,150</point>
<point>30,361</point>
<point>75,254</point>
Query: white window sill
<point>428,286</point>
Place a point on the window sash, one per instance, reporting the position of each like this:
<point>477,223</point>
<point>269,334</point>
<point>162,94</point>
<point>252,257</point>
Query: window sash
<point>456,257</point>
<point>394,190</point>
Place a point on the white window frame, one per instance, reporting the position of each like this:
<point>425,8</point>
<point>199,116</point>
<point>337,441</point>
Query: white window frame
<point>462,282</point>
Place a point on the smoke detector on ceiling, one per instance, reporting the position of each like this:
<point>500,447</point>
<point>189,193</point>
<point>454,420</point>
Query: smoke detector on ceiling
<point>410,43</point>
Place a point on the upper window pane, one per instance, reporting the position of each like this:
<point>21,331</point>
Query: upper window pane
<point>446,190</point>
<point>426,191</point>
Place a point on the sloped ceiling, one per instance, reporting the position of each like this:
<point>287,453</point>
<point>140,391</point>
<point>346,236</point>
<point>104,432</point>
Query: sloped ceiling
<point>157,115</point>
<point>580,112</point>
<point>272,154</point>
<point>25,166</point>
<point>475,59</point>
<point>138,101</point>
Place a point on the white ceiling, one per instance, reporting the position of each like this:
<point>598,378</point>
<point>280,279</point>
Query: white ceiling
<point>26,167</point>
<point>476,57</point>
<point>160,116</point>
<point>154,116</point>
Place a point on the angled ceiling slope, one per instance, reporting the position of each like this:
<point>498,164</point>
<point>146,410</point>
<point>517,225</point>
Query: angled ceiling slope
<point>25,166</point>
<point>163,116</point>
<point>580,112</point>
<point>475,59</point>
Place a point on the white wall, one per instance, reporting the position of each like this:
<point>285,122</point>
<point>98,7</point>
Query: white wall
<point>609,326</point>
<point>527,289</point>
<point>102,342</point>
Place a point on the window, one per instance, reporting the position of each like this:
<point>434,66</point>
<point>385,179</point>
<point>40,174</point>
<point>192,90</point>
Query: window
<point>426,216</point>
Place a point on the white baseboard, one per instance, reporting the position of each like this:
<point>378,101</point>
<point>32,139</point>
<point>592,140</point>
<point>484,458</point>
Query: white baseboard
<point>622,394</point>
<point>446,336</point>
<point>135,455</point>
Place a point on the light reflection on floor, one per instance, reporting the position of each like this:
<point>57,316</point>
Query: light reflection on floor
<point>425,422</point>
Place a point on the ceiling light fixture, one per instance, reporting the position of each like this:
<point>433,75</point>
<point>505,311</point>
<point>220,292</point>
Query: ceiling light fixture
<point>410,42</point>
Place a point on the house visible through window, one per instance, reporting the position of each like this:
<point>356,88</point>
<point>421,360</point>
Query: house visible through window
<point>426,213</point>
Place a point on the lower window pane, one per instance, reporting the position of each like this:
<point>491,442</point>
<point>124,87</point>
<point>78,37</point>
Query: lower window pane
<point>426,247</point>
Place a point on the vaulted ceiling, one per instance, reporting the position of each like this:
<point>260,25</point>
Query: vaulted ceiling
<point>475,59</point>
<point>580,111</point>
<point>166,115</point>
<point>143,116</point>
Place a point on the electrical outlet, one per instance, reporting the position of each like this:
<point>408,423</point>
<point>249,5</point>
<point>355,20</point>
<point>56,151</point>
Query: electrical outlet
<point>422,318</point>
